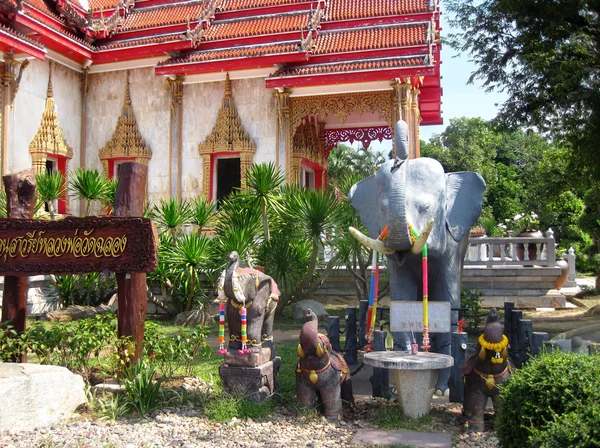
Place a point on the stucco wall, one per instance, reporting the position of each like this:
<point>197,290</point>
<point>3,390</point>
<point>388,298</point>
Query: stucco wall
<point>151,106</point>
<point>201,103</point>
<point>29,106</point>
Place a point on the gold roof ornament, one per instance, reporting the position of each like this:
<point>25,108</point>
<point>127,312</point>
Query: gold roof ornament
<point>228,135</point>
<point>126,141</point>
<point>48,139</point>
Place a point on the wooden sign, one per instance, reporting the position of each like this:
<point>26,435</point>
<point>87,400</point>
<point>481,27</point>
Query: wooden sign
<point>77,246</point>
<point>407,315</point>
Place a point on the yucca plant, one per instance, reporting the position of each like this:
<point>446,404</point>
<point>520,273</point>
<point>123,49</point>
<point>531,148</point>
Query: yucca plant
<point>171,214</point>
<point>88,184</point>
<point>50,186</point>
<point>202,212</point>
<point>190,256</point>
<point>108,200</point>
<point>2,204</point>
<point>262,183</point>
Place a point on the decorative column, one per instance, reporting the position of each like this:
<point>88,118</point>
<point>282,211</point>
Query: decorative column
<point>403,102</point>
<point>416,124</point>
<point>176,135</point>
<point>82,147</point>
<point>282,101</point>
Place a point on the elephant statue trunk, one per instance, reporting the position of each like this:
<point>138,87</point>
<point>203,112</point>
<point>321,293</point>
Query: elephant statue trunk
<point>322,375</point>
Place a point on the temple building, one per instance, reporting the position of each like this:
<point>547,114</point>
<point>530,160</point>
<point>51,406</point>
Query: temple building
<point>201,89</point>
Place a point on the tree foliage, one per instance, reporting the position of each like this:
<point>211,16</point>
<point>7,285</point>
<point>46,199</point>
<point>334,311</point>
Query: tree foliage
<point>546,56</point>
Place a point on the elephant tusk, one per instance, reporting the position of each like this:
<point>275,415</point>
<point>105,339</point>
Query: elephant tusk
<point>376,245</point>
<point>417,248</point>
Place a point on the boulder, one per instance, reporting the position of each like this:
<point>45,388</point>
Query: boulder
<point>299,308</point>
<point>34,395</point>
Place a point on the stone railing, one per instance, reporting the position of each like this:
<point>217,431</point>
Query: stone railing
<point>512,251</point>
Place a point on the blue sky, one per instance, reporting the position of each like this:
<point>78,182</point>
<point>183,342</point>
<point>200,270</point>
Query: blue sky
<point>459,98</point>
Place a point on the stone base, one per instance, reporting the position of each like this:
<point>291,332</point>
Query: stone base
<point>33,395</point>
<point>257,357</point>
<point>255,383</point>
<point>415,389</point>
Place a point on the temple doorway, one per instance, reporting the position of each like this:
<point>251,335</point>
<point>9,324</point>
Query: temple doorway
<point>227,176</point>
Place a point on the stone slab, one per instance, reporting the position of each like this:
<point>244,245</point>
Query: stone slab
<point>405,316</point>
<point>252,359</point>
<point>34,396</point>
<point>406,361</point>
<point>525,302</point>
<point>374,437</point>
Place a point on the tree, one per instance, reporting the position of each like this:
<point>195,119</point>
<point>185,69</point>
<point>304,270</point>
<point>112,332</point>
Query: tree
<point>347,160</point>
<point>546,56</point>
<point>50,187</point>
<point>89,184</point>
<point>262,182</point>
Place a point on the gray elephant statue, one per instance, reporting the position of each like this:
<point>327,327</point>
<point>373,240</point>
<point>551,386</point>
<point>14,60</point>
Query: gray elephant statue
<point>416,194</point>
<point>322,376</point>
<point>257,293</point>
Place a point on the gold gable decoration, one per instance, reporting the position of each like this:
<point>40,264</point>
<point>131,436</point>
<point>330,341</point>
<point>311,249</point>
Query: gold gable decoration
<point>228,135</point>
<point>48,139</point>
<point>308,143</point>
<point>126,141</point>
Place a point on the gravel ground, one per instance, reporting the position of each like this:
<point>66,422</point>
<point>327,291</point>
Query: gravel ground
<point>186,427</point>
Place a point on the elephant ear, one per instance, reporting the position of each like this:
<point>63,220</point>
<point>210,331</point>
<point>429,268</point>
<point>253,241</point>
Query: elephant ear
<point>464,198</point>
<point>363,197</point>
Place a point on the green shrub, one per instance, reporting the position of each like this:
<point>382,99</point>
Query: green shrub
<point>12,344</point>
<point>87,289</point>
<point>471,300</point>
<point>142,388</point>
<point>553,399</point>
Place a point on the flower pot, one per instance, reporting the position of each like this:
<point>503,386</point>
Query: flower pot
<point>532,248</point>
<point>564,273</point>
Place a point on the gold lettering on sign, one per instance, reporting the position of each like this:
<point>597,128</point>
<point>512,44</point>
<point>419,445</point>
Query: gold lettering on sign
<point>78,246</point>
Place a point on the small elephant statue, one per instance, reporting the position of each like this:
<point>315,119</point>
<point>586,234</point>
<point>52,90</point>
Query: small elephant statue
<point>322,375</point>
<point>415,196</point>
<point>483,371</point>
<point>250,290</point>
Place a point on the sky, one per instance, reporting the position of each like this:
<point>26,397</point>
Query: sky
<point>460,99</point>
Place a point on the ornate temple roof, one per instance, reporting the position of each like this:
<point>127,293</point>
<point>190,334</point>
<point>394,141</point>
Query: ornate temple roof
<point>303,42</point>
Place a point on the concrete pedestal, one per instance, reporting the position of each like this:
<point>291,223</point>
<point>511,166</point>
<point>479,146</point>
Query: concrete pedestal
<point>415,377</point>
<point>255,383</point>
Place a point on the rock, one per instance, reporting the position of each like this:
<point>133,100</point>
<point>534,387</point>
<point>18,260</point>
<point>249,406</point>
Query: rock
<point>194,317</point>
<point>300,307</point>
<point>75,312</point>
<point>35,396</point>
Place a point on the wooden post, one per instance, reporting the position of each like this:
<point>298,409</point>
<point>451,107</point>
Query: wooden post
<point>333,332</point>
<point>20,204</point>
<point>538,339</point>
<point>351,348</point>
<point>362,323</point>
<point>513,337</point>
<point>525,339</point>
<point>380,379</point>
<point>508,307</point>
<point>131,287</point>
<point>459,353</point>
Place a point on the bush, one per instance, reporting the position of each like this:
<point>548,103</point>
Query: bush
<point>473,315</point>
<point>551,402</point>
<point>141,388</point>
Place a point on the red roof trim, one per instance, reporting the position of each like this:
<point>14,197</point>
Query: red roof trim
<point>347,77</point>
<point>264,10</point>
<point>11,42</point>
<point>192,68</point>
<point>138,52</point>
<point>375,21</point>
<point>370,54</point>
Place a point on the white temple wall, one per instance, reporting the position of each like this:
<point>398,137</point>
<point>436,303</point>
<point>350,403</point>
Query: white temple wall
<point>29,106</point>
<point>201,103</point>
<point>151,106</point>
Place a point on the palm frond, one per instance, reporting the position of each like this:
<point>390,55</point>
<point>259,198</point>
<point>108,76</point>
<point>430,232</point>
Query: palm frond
<point>202,212</point>
<point>171,214</point>
<point>88,184</point>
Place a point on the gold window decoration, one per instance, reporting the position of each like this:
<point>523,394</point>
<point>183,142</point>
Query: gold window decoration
<point>308,144</point>
<point>126,142</point>
<point>48,140</point>
<point>228,136</point>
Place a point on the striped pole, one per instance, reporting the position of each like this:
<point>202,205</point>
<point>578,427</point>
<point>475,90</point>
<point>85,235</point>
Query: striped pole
<point>426,343</point>
<point>221,350</point>
<point>244,349</point>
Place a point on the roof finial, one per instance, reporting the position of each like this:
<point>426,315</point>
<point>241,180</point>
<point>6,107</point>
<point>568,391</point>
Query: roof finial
<point>49,92</point>
<point>227,85</point>
<point>127,92</point>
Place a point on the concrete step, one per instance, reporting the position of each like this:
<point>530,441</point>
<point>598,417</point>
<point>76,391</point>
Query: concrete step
<point>550,301</point>
<point>508,271</point>
<point>494,284</point>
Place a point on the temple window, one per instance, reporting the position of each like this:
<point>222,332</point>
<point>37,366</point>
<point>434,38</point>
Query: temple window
<point>227,175</point>
<point>227,152</point>
<point>126,144</point>
<point>49,150</point>
<point>309,161</point>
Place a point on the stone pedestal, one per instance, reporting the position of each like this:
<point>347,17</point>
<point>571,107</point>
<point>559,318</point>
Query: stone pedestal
<point>255,358</point>
<point>255,383</point>
<point>415,377</point>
